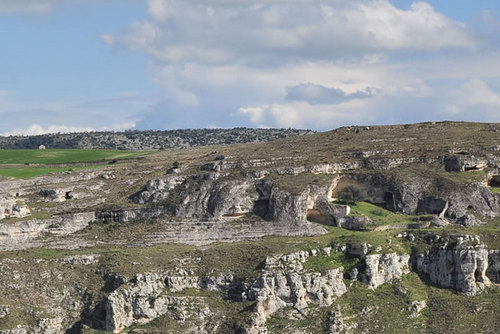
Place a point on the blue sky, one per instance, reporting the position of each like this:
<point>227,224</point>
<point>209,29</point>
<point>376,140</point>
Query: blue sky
<point>78,65</point>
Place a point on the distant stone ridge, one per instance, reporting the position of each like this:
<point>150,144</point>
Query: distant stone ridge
<point>148,140</point>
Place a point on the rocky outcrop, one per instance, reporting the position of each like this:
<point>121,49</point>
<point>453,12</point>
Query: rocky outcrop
<point>284,282</point>
<point>285,206</point>
<point>459,262</point>
<point>157,190</point>
<point>126,215</point>
<point>333,214</point>
<point>18,235</point>
<point>383,268</point>
<point>149,296</point>
<point>493,271</point>
<point>420,194</point>
<point>462,163</point>
<point>356,223</point>
<point>11,208</point>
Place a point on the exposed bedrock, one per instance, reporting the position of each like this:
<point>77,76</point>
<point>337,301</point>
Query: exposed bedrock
<point>10,207</point>
<point>424,195</point>
<point>379,269</point>
<point>20,234</point>
<point>144,299</point>
<point>493,271</point>
<point>282,282</point>
<point>211,196</point>
<point>464,163</point>
<point>459,262</point>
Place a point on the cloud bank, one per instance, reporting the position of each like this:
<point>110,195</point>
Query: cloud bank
<point>316,64</point>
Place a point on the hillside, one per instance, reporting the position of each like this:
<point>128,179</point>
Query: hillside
<point>147,140</point>
<point>379,229</point>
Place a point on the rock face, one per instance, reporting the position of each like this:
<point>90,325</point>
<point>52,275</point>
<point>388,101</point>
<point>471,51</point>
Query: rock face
<point>284,283</point>
<point>20,234</point>
<point>9,207</point>
<point>493,271</point>
<point>456,163</point>
<point>419,194</point>
<point>157,190</point>
<point>213,195</point>
<point>459,262</point>
<point>383,268</point>
<point>147,297</point>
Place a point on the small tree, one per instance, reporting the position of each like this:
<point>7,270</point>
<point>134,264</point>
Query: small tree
<point>352,194</point>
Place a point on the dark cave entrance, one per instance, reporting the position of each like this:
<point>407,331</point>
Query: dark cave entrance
<point>389,201</point>
<point>494,181</point>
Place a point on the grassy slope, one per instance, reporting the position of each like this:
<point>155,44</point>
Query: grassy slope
<point>62,156</point>
<point>39,159</point>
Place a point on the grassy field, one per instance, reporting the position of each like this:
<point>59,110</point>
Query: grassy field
<point>63,156</point>
<point>26,173</point>
<point>40,162</point>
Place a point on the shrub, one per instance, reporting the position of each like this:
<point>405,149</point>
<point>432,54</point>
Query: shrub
<point>352,194</point>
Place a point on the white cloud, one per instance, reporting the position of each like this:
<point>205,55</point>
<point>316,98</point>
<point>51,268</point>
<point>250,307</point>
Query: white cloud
<point>473,96</point>
<point>25,116</point>
<point>318,94</point>
<point>303,63</point>
<point>28,6</point>
<point>235,32</point>
<point>160,10</point>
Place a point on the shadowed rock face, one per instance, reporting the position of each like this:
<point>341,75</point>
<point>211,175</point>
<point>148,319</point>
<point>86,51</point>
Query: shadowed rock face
<point>459,262</point>
<point>493,271</point>
<point>420,195</point>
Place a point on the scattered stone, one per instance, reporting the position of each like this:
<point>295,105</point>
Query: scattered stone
<point>469,221</point>
<point>4,311</point>
<point>416,307</point>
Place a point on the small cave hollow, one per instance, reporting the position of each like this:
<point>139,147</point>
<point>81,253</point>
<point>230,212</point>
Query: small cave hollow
<point>478,275</point>
<point>315,216</point>
<point>389,201</point>
<point>430,205</point>
<point>261,208</point>
<point>494,181</point>
<point>473,168</point>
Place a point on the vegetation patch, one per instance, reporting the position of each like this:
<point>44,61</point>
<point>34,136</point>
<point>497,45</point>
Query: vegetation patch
<point>29,172</point>
<point>383,216</point>
<point>322,263</point>
<point>63,156</point>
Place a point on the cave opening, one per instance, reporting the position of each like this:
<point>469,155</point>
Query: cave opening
<point>315,216</point>
<point>494,181</point>
<point>389,201</point>
<point>261,208</point>
<point>473,168</point>
<point>478,275</point>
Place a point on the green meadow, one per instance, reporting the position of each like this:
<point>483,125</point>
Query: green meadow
<point>63,156</point>
<point>23,164</point>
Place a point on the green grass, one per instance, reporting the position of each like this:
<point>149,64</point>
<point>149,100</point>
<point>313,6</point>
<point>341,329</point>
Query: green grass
<point>29,172</point>
<point>63,156</point>
<point>322,263</point>
<point>495,190</point>
<point>382,216</point>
